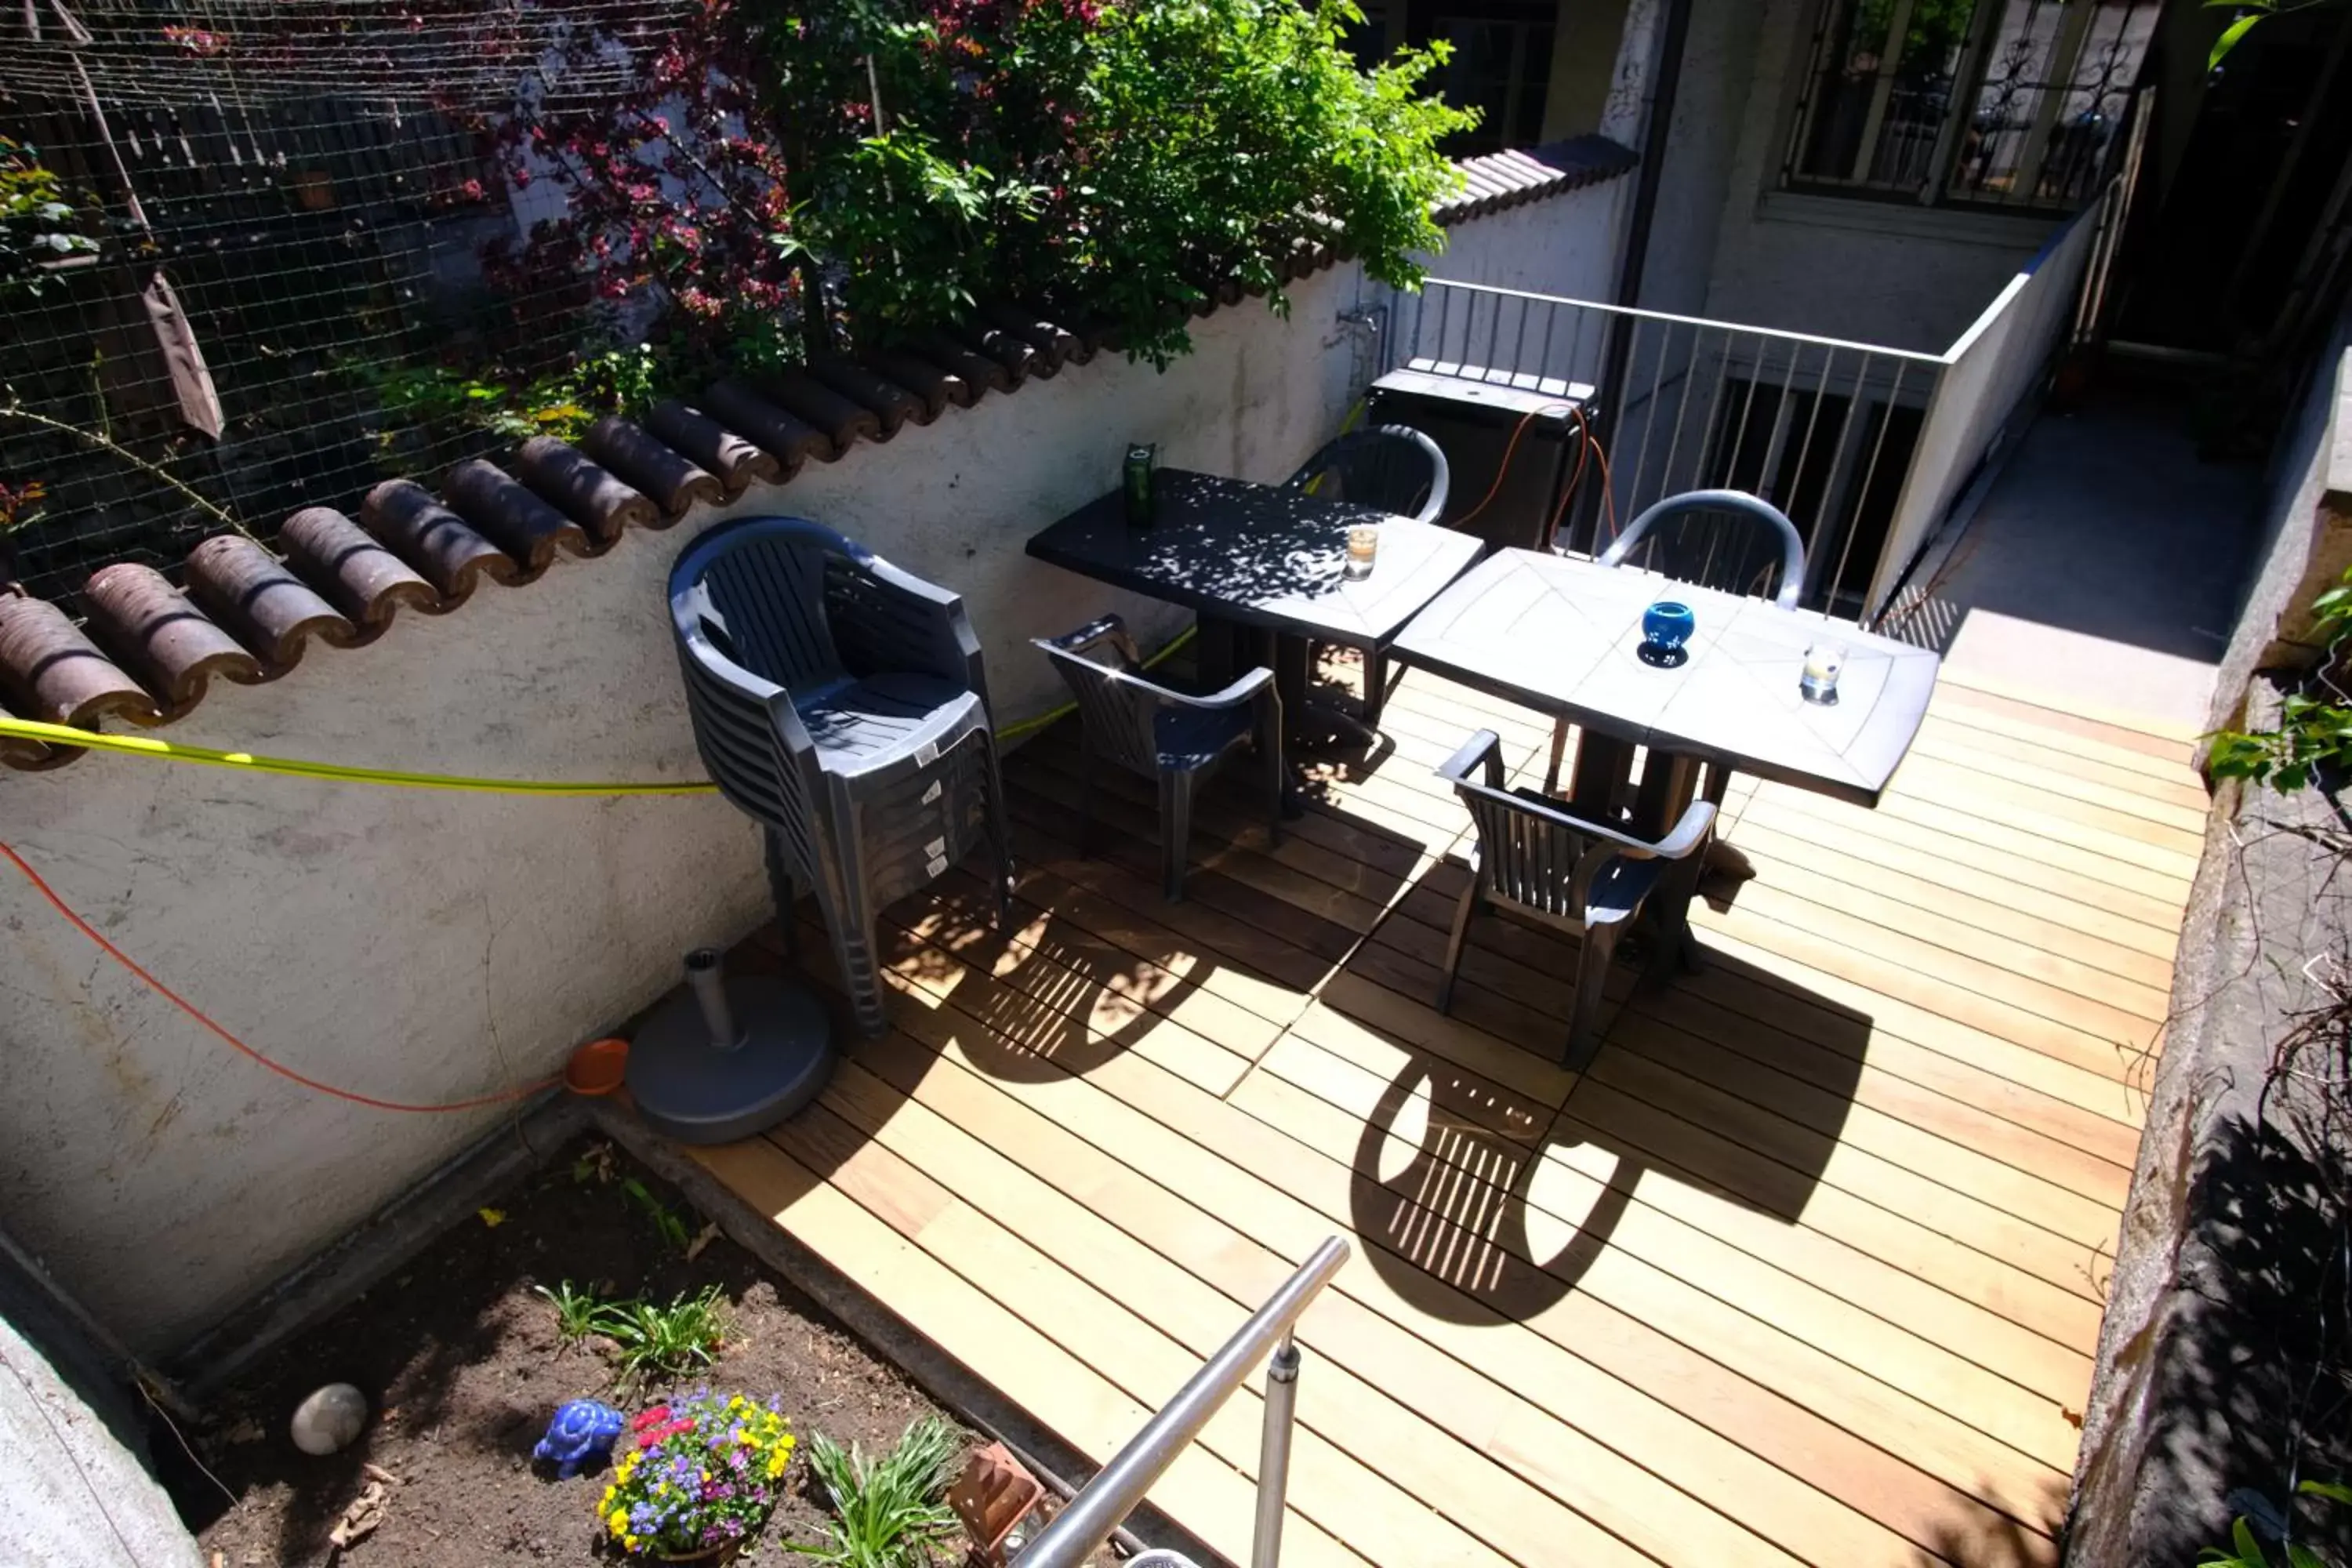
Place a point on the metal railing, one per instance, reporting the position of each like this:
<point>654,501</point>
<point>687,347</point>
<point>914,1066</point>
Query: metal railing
<point>1819,426</point>
<point>1079,1530</point>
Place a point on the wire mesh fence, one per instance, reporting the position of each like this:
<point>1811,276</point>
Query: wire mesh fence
<point>248,256</point>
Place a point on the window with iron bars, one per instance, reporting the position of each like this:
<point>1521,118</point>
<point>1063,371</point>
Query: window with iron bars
<point>2015,104</point>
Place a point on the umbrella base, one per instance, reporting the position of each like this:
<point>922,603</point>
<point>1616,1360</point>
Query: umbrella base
<point>692,1091</point>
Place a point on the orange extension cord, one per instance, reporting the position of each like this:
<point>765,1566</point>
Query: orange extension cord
<point>1588,447</point>
<point>183,1004</point>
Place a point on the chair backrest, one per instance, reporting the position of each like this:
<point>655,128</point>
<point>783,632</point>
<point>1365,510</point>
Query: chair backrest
<point>1727,540</point>
<point>1393,467</point>
<point>752,592</point>
<point>1116,704</point>
<point>1532,857</point>
<point>757,587</point>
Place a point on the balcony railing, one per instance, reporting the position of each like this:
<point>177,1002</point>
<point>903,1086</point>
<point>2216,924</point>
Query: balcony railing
<point>1866,448</point>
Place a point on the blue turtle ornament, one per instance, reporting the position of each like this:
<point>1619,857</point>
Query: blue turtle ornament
<point>582,1429</point>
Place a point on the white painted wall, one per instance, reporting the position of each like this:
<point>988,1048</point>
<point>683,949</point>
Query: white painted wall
<point>1731,247</point>
<point>1986,377</point>
<point>425,946</point>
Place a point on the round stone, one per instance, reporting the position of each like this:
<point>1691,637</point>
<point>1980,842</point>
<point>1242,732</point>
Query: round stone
<point>328,1419</point>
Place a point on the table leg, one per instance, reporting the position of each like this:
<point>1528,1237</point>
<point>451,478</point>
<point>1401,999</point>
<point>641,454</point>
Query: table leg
<point>1603,764</point>
<point>1221,652</point>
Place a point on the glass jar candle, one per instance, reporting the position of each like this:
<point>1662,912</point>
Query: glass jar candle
<point>1363,544</point>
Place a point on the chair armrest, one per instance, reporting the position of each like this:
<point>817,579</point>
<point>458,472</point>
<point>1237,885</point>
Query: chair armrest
<point>1687,836</point>
<point>1245,689</point>
<point>695,643</point>
<point>1485,747</point>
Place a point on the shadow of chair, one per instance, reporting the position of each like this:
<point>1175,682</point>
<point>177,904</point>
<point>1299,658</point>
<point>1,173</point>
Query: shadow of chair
<point>1731,1081</point>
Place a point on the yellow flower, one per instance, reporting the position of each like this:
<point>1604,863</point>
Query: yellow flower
<point>776,1464</point>
<point>619,1522</point>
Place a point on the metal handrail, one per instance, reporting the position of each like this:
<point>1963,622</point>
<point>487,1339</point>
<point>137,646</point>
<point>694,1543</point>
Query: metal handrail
<point>1635,313</point>
<point>1103,1502</point>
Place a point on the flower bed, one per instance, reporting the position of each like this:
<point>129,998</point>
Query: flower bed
<point>464,1360</point>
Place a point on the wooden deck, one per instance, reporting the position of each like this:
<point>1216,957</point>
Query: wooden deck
<point>1807,1268</point>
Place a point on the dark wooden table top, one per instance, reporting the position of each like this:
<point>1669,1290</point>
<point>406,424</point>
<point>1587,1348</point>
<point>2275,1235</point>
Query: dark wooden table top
<point>1560,634</point>
<point>1261,555</point>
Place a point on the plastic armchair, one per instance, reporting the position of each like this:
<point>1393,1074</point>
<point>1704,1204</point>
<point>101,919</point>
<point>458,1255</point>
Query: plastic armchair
<point>841,703</point>
<point>1580,876</point>
<point>1714,559</point>
<point>1172,738</point>
<point>1393,467</point>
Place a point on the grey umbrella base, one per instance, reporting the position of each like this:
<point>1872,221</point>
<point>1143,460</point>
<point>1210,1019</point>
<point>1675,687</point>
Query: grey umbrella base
<point>693,1090</point>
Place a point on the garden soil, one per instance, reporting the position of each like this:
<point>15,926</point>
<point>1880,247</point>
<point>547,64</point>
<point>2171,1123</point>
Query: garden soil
<point>462,1366</point>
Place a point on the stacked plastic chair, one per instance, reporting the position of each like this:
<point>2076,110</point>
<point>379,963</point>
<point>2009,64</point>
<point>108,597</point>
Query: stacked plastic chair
<point>841,703</point>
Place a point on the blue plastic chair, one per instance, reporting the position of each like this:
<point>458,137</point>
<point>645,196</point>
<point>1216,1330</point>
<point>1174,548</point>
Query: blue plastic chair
<point>1726,540</point>
<point>1172,738</point>
<point>1580,876</point>
<point>1393,467</point>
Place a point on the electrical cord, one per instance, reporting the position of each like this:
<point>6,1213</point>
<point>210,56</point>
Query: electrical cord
<point>1588,447</point>
<point>185,1006</point>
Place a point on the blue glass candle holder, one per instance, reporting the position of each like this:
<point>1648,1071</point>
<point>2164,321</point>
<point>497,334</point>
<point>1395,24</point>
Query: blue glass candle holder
<point>1666,626</point>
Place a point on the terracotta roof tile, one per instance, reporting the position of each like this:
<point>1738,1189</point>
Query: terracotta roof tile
<point>596,499</point>
<point>891,404</point>
<point>166,644</point>
<point>673,479</point>
<point>151,648</point>
<point>262,603</point>
<point>366,583</point>
<point>714,447</point>
<point>787,436</point>
<point>53,672</point>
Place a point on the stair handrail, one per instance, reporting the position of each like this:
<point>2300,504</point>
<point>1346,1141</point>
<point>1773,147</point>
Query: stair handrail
<point>1104,1503</point>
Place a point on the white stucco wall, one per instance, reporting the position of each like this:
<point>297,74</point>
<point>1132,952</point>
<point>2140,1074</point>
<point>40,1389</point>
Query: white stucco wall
<point>425,946</point>
<point>1729,247</point>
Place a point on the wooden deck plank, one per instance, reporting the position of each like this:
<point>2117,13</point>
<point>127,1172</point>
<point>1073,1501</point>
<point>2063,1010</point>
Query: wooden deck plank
<point>1438,1247</point>
<point>2146,923</point>
<point>1806,1267</point>
<point>2026,930</point>
<point>2045,751</point>
<point>1149,1337</point>
<point>1057,1388</point>
<point>1951,1317</point>
<point>1156,1243</point>
<point>1233,1166</point>
<point>1304,1087</point>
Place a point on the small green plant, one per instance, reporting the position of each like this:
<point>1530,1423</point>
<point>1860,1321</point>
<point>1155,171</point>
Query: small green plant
<point>889,1513</point>
<point>2314,733</point>
<point>575,1310</point>
<point>667,1222</point>
<point>669,1341</point>
<point>36,220</point>
<point>2246,1551</point>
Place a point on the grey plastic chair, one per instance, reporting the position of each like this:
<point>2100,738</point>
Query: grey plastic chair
<point>1725,539</point>
<point>1393,467</point>
<point>1170,737</point>
<point>841,702</point>
<point>1581,877</point>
